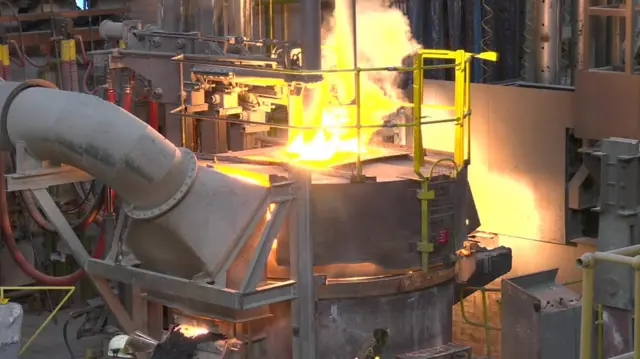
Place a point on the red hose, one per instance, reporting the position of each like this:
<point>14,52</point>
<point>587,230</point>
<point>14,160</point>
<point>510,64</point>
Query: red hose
<point>18,256</point>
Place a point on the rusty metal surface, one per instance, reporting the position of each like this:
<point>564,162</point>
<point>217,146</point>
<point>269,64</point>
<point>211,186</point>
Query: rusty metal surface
<point>415,321</point>
<point>602,113</point>
<point>355,227</point>
<point>544,317</point>
<point>374,223</point>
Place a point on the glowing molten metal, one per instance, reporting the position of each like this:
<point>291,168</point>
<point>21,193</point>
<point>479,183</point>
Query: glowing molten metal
<point>192,331</point>
<point>384,40</point>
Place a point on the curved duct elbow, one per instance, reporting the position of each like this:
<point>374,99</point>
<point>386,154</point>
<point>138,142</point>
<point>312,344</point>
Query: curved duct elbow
<point>173,198</point>
<point>99,138</point>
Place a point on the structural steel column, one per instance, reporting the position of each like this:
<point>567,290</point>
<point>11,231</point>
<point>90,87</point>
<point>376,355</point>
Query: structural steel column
<point>548,36</point>
<point>301,243</point>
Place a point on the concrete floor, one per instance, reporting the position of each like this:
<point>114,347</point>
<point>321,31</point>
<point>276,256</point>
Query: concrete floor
<point>49,344</point>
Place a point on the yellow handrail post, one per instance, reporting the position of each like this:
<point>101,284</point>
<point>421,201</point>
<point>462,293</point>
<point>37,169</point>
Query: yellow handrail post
<point>359,171</point>
<point>636,321</point>
<point>418,85</point>
<point>460,101</point>
<point>586,320</point>
<point>467,103</point>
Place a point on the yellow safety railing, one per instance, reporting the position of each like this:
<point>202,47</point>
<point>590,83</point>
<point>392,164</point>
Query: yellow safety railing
<point>486,321</point>
<point>5,300</point>
<point>627,256</point>
<point>462,110</point>
<point>461,107</point>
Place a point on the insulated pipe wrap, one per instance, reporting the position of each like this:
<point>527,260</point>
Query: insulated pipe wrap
<point>99,138</point>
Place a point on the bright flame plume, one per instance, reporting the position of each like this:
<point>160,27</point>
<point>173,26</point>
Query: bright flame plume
<point>384,40</point>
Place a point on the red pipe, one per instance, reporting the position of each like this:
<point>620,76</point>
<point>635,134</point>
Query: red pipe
<point>153,114</point>
<point>17,255</point>
<point>110,95</point>
<point>127,98</point>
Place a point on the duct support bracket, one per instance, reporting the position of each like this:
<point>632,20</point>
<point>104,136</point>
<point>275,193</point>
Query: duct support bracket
<point>253,291</point>
<point>55,216</point>
<point>32,176</point>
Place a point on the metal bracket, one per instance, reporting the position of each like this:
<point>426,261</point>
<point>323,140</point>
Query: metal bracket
<point>31,175</point>
<point>277,201</point>
<point>259,260</point>
<point>81,256</point>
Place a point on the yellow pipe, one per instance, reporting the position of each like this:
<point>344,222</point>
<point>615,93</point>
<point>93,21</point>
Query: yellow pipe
<point>458,152</point>
<point>425,246</point>
<point>418,84</point>
<point>613,258</point>
<point>466,319</point>
<point>587,312</point>
<point>4,300</point>
<point>467,103</point>
<point>600,348</point>
<point>626,251</point>
<point>485,316</point>
<point>636,322</point>
<point>358,127</point>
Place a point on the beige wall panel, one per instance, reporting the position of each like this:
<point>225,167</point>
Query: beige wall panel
<point>518,163</point>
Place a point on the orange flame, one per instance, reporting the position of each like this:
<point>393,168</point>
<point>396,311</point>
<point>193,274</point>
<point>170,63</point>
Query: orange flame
<point>192,331</point>
<point>267,217</point>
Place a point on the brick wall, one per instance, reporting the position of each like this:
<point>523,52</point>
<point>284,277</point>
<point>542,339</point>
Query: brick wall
<point>474,336</point>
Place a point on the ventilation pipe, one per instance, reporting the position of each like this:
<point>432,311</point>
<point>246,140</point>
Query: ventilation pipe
<point>186,216</point>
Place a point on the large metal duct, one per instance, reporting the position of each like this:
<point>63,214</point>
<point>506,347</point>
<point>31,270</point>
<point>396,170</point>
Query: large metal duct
<point>182,232</point>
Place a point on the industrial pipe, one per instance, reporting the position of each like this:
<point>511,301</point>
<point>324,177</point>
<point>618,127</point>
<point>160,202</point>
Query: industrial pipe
<point>94,136</point>
<point>153,114</point>
<point>311,16</point>
<point>111,30</point>
<point>179,228</point>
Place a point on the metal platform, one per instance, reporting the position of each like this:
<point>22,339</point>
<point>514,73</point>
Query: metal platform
<point>447,351</point>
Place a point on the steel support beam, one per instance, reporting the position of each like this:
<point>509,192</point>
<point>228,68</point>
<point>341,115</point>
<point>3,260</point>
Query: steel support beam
<point>301,254</point>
